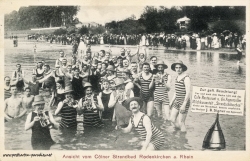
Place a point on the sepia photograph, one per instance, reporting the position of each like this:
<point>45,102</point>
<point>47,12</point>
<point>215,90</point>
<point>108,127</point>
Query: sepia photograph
<point>151,77</point>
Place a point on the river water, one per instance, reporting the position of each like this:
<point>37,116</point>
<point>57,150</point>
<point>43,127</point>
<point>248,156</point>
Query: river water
<point>206,68</point>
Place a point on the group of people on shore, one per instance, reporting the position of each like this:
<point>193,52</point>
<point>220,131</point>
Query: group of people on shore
<point>197,41</point>
<point>103,89</point>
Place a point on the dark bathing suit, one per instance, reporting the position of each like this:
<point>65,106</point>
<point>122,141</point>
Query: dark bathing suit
<point>40,138</point>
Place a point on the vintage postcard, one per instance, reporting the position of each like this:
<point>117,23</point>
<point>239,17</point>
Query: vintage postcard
<point>124,80</point>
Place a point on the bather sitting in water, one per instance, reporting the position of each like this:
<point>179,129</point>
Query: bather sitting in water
<point>153,137</point>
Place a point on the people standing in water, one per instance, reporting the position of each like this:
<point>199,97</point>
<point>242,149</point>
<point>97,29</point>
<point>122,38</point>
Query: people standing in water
<point>17,76</point>
<point>67,109</point>
<point>40,122</point>
<point>145,79</point>
<point>89,105</point>
<point>13,106</point>
<point>7,93</point>
<point>117,98</point>
<point>27,99</point>
<point>161,81</point>
<point>107,114</point>
<point>180,102</point>
<point>152,137</point>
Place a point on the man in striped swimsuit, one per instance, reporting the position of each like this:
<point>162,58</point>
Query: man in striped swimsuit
<point>161,82</point>
<point>152,137</point>
<point>146,92</point>
<point>181,98</point>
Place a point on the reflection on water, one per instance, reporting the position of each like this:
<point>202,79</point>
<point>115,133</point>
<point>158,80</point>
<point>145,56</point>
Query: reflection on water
<point>210,69</point>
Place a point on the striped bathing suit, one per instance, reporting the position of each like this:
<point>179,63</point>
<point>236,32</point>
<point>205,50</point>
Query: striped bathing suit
<point>180,94</point>
<point>91,117</point>
<point>68,115</point>
<point>157,138</point>
<point>146,93</point>
<point>161,93</point>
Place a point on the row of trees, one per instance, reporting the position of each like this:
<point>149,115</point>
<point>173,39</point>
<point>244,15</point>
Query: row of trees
<point>41,16</point>
<point>152,20</point>
<point>83,30</point>
<point>163,19</point>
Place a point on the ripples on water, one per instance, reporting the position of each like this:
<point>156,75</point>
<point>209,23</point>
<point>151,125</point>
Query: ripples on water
<point>211,69</point>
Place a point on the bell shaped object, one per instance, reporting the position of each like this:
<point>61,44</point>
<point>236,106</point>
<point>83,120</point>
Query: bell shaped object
<point>214,138</point>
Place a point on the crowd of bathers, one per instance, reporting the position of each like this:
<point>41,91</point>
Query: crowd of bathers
<point>122,90</point>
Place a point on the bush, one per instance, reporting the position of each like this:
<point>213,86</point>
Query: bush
<point>97,30</point>
<point>71,30</point>
<point>232,26</point>
<point>83,30</point>
<point>60,31</point>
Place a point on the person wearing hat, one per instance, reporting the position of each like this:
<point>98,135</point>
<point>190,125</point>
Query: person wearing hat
<point>67,109</point>
<point>90,107</point>
<point>152,137</point>
<point>120,94</point>
<point>161,81</point>
<point>117,97</point>
<point>40,137</point>
<point>181,100</point>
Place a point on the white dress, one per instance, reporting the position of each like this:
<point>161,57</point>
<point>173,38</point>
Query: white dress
<point>143,41</point>
<point>81,49</point>
<point>101,40</point>
<point>216,42</point>
<point>198,41</point>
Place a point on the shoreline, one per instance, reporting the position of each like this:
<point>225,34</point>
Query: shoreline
<point>160,47</point>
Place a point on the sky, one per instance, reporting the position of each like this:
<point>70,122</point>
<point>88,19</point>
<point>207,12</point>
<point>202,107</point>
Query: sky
<point>103,14</point>
<point>98,14</point>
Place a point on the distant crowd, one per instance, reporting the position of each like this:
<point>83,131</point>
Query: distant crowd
<point>195,41</point>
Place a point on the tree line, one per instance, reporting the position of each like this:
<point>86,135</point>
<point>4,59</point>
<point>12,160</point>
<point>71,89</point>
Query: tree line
<point>41,16</point>
<point>163,19</point>
<point>152,20</point>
